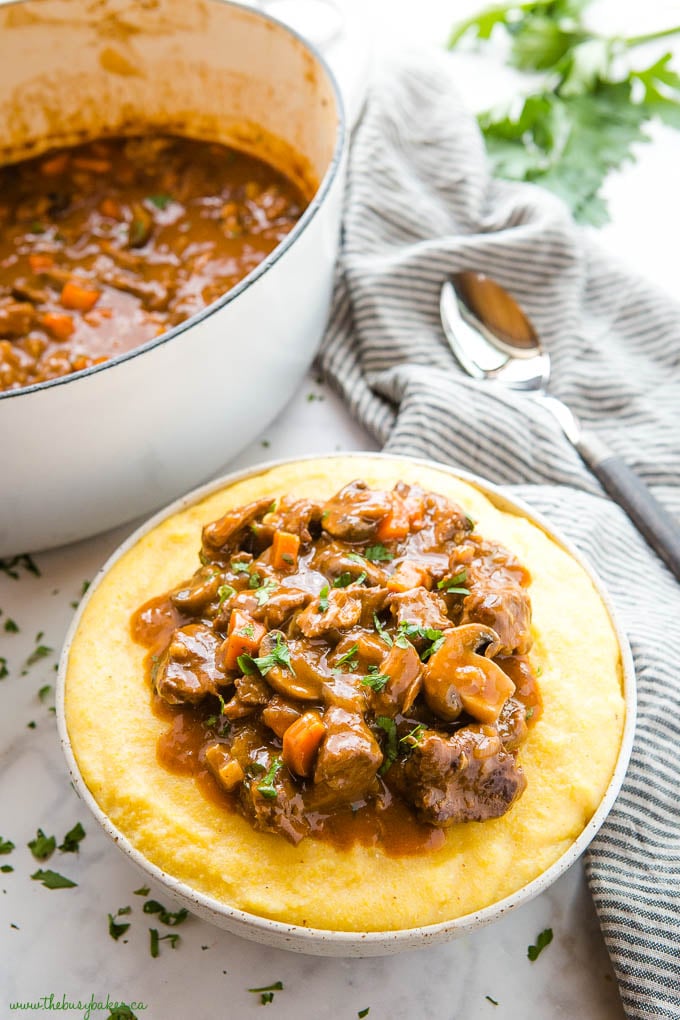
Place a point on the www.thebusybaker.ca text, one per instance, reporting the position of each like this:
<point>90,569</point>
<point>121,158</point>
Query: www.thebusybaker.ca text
<point>86,1007</point>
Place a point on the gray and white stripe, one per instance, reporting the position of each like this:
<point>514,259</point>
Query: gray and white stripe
<point>420,205</point>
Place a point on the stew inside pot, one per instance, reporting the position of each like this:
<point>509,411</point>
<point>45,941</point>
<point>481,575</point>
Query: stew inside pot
<point>354,669</point>
<point>106,245</point>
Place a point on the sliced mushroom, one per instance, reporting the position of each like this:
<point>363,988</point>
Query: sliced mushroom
<point>460,676</point>
<point>223,535</point>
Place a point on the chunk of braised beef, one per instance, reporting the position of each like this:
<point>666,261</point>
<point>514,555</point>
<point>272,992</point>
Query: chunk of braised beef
<point>348,759</point>
<point>340,611</point>
<point>224,535</point>
<point>283,814</point>
<point>279,714</point>
<point>354,513</point>
<point>450,522</point>
<point>506,610</point>
<point>424,608</point>
<point>333,559</point>
<point>404,669</point>
<point>193,597</point>
<point>512,724</point>
<point>467,777</point>
<point>280,606</point>
<point>252,690</point>
<point>187,672</point>
<point>300,517</point>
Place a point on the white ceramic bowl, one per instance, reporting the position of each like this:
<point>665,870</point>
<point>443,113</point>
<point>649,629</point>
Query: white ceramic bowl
<point>88,451</point>
<point>322,942</point>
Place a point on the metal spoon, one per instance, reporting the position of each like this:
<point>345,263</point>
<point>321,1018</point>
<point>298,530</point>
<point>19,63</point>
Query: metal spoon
<point>493,339</point>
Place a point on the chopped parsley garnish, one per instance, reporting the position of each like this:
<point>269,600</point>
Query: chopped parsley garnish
<point>3,667</point>
<point>247,631</point>
<point>38,653</point>
<point>255,580</point>
<point>239,567</point>
<point>121,1012</point>
<point>323,599</point>
<point>53,880</point>
<point>363,1012</point>
<point>529,713</point>
<point>161,201</point>
<point>266,786</point>
<point>6,846</point>
<point>115,928</point>
<point>451,585</point>
<point>156,939</point>
<point>378,554</point>
<point>542,940</point>
<point>389,727</point>
<point>44,692</point>
<point>492,1001</point>
<point>279,656</point>
<point>165,916</point>
<point>415,736</point>
<point>86,585</point>
<point>355,557</point>
<point>11,626</point>
<point>6,868</point>
<point>265,591</point>
<point>349,658</point>
<point>266,993</point>
<point>142,891</point>
<point>72,840</point>
<point>31,725</point>
<point>42,846</point>
<point>408,631</point>
<point>376,681</point>
<point>343,580</point>
<point>14,564</point>
<point>225,591</point>
<point>381,630</point>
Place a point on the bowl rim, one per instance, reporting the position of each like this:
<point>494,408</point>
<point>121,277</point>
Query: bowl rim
<point>261,928</point>
<point>281,248</point>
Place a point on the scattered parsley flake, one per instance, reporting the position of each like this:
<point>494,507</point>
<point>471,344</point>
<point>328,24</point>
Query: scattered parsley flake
<point>349,658</point>
<point>44,692</point>
<point>142,891</point>
<point>389,727</point>
<point>38,653</point>
<point>12,566</point>
<point>378,554</point>
<point>6,868</point>
<point>239,567</point>
<point>255,580</point>
<point>116,929</point>
<point>165,916</point>
<point>363,1012</point>
<point>6,846</point>
<point>266,993</point>
<point>156,939</point>
<point>323,599</point>
<point>121,1012</point>
<point>42,846</point>
<point>265,591</point>
<point>542,940</point>
<point>11,626</point>
<point>3,667</point>
<point>492,1001</point>
<point>381,630</point>
<point>53,880</point>
<point>72,840</point>
<point>344,579</point>
<point>266,786</point>
<point>266,443</point>
<point>529,713</point>
<point>225,591</point>
<point>161,201</point>
<point>279,656</point>
<point>376,681</point>
<point>31,725</point>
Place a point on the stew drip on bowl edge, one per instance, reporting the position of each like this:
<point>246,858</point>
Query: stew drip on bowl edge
<point>355,669</point>
<point>106,245</point>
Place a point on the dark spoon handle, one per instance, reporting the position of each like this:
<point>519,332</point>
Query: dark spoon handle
<point>652,520</point>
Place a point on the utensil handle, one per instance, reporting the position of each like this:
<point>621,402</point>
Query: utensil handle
<point>652,520</point>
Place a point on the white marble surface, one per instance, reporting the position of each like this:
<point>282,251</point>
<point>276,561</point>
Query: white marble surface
<point>58,942</point>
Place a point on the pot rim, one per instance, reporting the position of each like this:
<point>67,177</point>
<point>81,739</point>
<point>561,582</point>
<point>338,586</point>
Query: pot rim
<point>273,257</point>
<point>306,938</point>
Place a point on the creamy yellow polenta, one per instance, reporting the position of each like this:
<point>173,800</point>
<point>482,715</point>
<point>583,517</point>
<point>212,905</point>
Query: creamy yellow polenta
<point>568,758</point>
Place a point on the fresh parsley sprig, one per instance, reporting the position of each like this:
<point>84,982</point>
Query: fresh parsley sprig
<point>588,105</point>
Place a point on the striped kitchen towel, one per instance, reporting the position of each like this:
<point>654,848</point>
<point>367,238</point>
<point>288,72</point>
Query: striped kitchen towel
<point>420,205</point>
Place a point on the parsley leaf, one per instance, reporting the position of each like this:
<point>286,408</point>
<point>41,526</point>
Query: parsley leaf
<point>6,868</point>
<point>323,599</point>
<point>381,630</point>
<point>166,916</point>
<point>265,591</point>
<point>115,928</point>
<point>343,580</point>
<point>155,939</point>
<point>44,692</point>
<point>364,1012</point>
<point>3,667</point>
<point>542,940</point>
<point>376,681</point>
<point>6,846</point>
<point>39,652</point>
<point>53,880</point>
<point>415,736</point>
<point>279,656</point>
<point>266,786</point>
<point>390,728</point>
<point>225,591</point>
<point>590,106</point>
<point>266,993</point>
<point>11,626</point>
<point>14,564</point>
<point>349,658</point>
<point>142,891</point>
<point>161,201</point>
<point>239,567</point>
<point>42,846</point>
<point>73,839</point>
<point>378,554</point>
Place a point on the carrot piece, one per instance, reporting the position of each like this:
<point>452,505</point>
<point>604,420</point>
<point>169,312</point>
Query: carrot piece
<point>75,295</point>
<point>54,165</point>
<point>396,524</point>
<point>109,207</point>
<point>243,637</point>
<point>285,548</point>
<point>60,326</point>
<point>301,742</point>
<point>39,261</point>
<point>408,575</point>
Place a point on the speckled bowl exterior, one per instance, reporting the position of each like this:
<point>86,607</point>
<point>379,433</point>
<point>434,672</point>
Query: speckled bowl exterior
<point>320,942</point>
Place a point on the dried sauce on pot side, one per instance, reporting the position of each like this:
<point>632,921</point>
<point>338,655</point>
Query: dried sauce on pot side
<point>105,246</point>
<point>348,670</point>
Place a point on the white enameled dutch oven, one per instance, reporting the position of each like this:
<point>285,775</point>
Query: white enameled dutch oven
<point>326,942</point>
<point>91,450</point>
